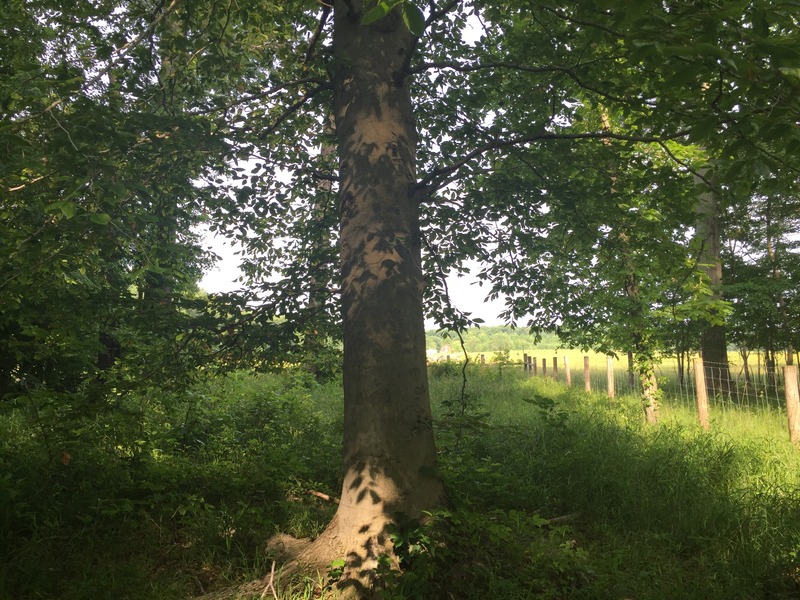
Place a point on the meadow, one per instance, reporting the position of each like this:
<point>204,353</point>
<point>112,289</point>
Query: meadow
<point>553,494</point>
<point>758,399</point>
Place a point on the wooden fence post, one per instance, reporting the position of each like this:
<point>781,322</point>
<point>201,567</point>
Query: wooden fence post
<point>544,367</point>
<point>525,362</point>
<point>702,393</point>
<point>483,359</point>
<point>533,366</point>
<point>587,382</point>
<point>792,402</point>
<point>631,373</point>
<point>567,374</point>
<point>555,368</point>
<point>610,376</point>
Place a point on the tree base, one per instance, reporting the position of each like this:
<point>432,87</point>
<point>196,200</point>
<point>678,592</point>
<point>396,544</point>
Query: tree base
<point>346,564</point>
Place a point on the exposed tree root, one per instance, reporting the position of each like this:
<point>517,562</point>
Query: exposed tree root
<point>357,579</point>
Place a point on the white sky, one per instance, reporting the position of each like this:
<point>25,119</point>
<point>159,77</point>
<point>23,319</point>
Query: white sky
<point>466,295</point>
<point>222,277</point>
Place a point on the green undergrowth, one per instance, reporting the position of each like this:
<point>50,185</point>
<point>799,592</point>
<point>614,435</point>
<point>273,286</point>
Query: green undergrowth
<point>553,494</point>
<point>183,507</point>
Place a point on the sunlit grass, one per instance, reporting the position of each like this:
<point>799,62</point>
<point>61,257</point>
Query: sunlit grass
<point>669,511</point>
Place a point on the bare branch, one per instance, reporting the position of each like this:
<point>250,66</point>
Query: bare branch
<point>562,15</point>
<point>271,583</point>
<point>405,69</point>
<point>323,19</point>
<point>438,14</point>
<point>122,50</point>
<point>69,137</point>
<point>321,176</point>
<point>24,185</point>
<point>323,496</point>
<point>688,167</point>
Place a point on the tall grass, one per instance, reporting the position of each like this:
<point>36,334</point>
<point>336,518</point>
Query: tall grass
<point>661,512</point>
<point>553,494</point>
<point>758,403</point>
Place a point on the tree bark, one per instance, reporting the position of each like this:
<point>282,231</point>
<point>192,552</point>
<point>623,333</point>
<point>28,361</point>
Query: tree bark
<point>390,464</point>
<point>650,396</point>
<point>776,275</point>
<point>744,352</point>
<point>641,357</point>
<point>713,344</point>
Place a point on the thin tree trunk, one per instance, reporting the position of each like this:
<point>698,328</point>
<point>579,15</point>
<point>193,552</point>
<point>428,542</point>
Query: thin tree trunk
<point>758,366</point>
<point>745,354</point>
<point>641,358</point>
<point>769,361</point>
<point>713,343</point>
<point>776,275</point>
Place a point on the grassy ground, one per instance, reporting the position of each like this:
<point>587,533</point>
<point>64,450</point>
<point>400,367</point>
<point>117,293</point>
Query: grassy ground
<point>760,402</point>
<point>554,494</point>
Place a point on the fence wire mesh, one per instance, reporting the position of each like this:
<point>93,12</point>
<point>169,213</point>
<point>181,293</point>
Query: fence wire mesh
<point>729,387</point>
<point>750,392</point>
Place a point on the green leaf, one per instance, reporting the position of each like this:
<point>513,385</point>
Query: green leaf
<point>791,74</point>
<point>100,218</point>
<point>760,22</point>
<point>375,13</point>
<point>68,209</point>
<point>413,18</point>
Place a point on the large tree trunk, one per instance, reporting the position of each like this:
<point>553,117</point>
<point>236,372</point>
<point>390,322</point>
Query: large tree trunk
<point>713,344</point>
<point>390,464</point>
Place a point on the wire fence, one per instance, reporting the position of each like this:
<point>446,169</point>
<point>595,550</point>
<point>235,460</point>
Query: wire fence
<point>729,387</point>
<point>753,393</point>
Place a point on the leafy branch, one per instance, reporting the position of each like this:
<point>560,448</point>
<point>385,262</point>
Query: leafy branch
<point>427,182</point>
<point>321,83</point>
<point>293,108</point>
<point>568,71</point>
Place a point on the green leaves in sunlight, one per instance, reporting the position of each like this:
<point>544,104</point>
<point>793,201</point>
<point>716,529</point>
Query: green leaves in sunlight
<point>412,16</point>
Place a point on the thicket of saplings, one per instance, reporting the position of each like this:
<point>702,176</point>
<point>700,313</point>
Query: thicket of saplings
<point>553,494</point>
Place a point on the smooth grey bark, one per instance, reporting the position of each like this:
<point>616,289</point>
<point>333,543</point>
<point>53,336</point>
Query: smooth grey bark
<point>713,342</point>
<point>390,464</point>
